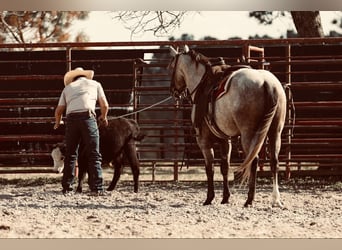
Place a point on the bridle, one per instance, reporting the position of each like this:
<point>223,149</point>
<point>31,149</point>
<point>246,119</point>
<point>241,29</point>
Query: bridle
<point>186,94</point>
<point>177,95</point>
<point>183,93</point>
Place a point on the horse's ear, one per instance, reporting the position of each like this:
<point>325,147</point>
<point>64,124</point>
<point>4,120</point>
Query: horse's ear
<point>173,52</point>
<point>186,49</point>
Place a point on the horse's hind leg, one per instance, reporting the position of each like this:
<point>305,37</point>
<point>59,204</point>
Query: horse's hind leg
<point>252,183</point>
<point>246,142</point>
<point>225,162</point>
<point>275,144</point>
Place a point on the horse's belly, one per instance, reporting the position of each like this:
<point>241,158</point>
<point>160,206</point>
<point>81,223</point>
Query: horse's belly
<point>234,116</point>
<point>225,121</point>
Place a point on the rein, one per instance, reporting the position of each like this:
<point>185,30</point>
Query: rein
<point>197,98</point>
<point>185,92</point>
<point>173,76</point>
<point>143,109</point>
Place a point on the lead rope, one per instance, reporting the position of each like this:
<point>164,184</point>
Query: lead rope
<point>191,134</point>
<point>292,107</point>
<point>151,106</point>
<point>141,110</point>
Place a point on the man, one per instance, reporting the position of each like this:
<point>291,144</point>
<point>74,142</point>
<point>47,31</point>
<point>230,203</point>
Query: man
<point>78,99</point>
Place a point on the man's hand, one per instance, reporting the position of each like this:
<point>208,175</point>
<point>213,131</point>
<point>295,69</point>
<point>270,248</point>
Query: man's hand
<point>57,124</point>
<point>103,120</point>
<point>58,115</point>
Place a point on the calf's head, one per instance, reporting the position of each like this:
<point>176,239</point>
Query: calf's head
<point>57,155</point>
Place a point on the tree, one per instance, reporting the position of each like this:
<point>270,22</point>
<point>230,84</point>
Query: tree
<point>183,37</point>
<point>39,26</point>
<point>338,23</point>
<point>307,23</point>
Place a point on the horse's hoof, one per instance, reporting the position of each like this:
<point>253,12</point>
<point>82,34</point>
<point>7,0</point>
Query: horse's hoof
<point>248,204</point>
<point>207,203</point>
<point>225,201</point>
<point>110,189</point>
<point>277,204</point>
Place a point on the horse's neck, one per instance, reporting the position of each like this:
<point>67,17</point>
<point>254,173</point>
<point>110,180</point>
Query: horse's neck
<point>193,77</point>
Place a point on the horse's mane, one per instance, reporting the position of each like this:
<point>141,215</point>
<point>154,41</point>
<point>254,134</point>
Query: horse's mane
<point>198,57</point>
<point>201,98</point>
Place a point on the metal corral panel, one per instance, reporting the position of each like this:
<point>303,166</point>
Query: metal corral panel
<point>137,81</point>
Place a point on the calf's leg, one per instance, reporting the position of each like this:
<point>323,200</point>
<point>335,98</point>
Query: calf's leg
<point>82,170</point>
<point>117,172</point>
<point>131,154</point>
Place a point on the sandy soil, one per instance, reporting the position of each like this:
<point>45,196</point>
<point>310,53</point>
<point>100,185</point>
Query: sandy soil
<point>36,208</point>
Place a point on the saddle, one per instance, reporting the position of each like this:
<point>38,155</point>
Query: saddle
<point>211,87</point>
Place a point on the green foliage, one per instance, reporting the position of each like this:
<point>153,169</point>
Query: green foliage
<point>183,37</point>
<point>39,26</point>
<point>266,17</point>
<point>338,23</point>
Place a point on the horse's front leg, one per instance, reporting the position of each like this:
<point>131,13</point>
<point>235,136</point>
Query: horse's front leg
<point>252,183</point>
<point>208,154</point>
<point>204,140</point>
<point>226,148</point>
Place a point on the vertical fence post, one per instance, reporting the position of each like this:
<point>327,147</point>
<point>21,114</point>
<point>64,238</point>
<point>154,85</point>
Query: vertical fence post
<point>137,72</point>
<point>175,164</point>
<point>289,112</point>
<point>260,60</point>
<point>68,58</point>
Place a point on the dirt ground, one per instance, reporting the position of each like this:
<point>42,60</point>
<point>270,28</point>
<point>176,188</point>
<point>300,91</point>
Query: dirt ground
<point>34,207</point>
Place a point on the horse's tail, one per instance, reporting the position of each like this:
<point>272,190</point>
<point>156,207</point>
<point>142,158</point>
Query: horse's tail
<point>260,134</point>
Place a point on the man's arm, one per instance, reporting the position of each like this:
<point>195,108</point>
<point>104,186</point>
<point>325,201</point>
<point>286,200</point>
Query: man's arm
<point>58,115</point>
<point>104,110</point>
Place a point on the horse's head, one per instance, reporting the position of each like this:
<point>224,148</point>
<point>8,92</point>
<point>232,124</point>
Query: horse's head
<point>188,69</point>
<point>178,85</point>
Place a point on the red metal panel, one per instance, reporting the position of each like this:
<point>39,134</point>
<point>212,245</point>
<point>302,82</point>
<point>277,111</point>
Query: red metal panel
<point>313,75</point>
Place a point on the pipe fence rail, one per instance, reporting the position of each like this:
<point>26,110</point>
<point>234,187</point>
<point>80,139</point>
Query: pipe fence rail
<point>136,81</point>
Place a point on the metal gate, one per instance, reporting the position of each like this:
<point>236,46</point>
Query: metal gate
<point>136,81</point>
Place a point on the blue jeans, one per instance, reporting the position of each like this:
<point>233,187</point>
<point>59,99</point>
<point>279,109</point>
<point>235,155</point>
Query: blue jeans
<point>82,127</point>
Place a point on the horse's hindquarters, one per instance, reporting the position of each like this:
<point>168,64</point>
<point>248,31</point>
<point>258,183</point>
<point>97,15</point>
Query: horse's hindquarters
<point>240,109</point>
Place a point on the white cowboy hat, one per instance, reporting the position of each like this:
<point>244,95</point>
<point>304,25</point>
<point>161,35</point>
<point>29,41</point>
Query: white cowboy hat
<point>70,75</point>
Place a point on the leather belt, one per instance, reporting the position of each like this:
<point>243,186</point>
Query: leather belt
<point>88,113</point>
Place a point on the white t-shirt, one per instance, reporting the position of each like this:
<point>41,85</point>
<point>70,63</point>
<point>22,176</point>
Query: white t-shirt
<point>81,95</point>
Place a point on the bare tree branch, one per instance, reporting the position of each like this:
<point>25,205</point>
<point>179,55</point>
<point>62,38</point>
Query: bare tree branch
<point>160,23</point>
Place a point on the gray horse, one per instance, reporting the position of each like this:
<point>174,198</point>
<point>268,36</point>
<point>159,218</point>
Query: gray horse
<point>252,105</point>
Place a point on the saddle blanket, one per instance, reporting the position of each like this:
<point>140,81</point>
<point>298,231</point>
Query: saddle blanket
<point>222,88</point>
<point>224,85</point>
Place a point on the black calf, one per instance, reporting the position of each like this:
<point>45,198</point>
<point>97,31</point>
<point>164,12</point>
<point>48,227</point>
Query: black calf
<point>117,140</point>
